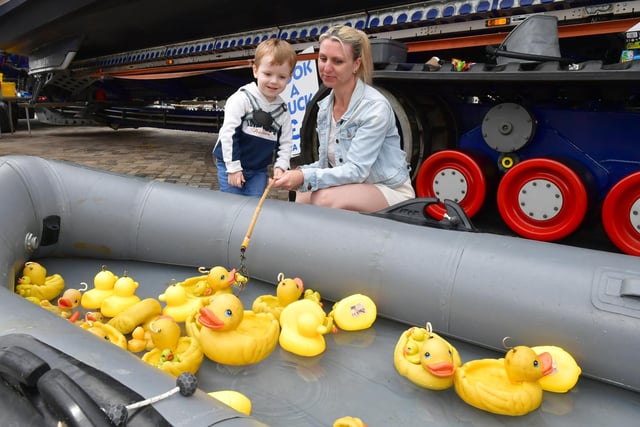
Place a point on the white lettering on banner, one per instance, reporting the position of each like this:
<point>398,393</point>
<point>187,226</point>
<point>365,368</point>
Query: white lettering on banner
<point>298,93</point>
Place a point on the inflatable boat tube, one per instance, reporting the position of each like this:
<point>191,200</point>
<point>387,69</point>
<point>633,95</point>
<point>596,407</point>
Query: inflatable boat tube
<point>473,287</point>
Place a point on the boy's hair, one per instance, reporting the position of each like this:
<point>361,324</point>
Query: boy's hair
<point>280,50</point>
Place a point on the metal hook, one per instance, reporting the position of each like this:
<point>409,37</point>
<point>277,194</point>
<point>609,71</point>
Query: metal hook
<point>87,318</point>
<point>153,329</point>
<point>505,344</point>
<point>429,329</point>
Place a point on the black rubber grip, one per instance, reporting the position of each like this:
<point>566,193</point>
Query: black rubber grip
<point>22,365</point>
<point>69,402</point>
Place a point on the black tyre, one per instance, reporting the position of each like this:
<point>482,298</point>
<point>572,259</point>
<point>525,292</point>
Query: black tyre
<point>4,116</point>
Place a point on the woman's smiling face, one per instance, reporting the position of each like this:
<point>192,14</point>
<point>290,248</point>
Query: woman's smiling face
<point>336,64</point>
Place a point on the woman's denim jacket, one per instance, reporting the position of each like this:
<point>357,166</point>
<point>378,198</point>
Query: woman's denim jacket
<point>368,148</point>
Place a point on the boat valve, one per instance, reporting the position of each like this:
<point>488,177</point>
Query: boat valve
<point>31,242</point>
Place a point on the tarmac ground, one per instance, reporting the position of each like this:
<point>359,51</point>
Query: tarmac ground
<point>179,157</point>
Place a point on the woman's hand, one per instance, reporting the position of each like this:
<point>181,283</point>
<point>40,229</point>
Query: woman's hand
<point>277,172</point>
<point>289,180</point>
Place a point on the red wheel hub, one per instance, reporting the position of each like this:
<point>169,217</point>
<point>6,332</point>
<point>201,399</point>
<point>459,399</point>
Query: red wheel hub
<point>542,199</point>
<point>453,175</point>
<point>621,214</point>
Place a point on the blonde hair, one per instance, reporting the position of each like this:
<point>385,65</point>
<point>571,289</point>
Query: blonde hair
<point>359,42</point>
<point>280,50</point>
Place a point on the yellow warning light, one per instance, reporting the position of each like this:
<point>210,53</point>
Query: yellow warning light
<point>169,61</point>
<point>497,22</point>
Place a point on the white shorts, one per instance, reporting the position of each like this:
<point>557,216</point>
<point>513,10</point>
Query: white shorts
<point>398,194</point>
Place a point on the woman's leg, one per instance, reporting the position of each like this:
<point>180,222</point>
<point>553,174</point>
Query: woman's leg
<point>303,197</point>
<point>354,197</point>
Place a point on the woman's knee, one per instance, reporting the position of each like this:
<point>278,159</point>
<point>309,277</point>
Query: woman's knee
<point>303,197</point>
<point>326,198</point>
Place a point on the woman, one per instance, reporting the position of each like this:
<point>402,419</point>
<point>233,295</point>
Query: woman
<point>360,165</point>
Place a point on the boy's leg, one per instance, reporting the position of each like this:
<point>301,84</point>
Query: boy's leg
<point>255,182</point>
<point>223,180</point>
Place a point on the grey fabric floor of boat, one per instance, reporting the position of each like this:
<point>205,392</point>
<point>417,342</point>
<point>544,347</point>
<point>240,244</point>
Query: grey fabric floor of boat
<point>356,375</point>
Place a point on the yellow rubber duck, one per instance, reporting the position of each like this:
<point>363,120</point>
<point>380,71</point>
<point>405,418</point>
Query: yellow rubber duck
<point>288,290</point>
<point>214,281</point>
<point>106,332</point>
<point>508,386</point>
<point>21,287</point>
<point>138,341</point>
<point>235,399</point>
<point>425,358</point>
<point>565,373</point>
<point>312,295</point>
<point>179,304</point>
<point>230,335</point>
<point>69,300</point>
<point>103,283</point>
<point>138,314</point>
<point>303,325</point>
<point>174,354</point>
<point>349,421</point>
<point>36,286</point>
<point>90,317</point>
<point>196,286</point>
<point>354,313</point>
<point>123,297</point>
<point>410,350</point>
<point>36,272</point>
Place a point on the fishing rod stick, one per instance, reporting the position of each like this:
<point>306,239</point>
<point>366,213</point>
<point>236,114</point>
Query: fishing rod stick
<point>252,224</point>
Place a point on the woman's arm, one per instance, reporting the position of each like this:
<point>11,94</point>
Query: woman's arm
<point>370,124</point>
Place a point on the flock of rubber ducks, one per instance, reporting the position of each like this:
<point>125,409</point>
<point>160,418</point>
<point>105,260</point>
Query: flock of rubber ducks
<point>198,317</point>
<point>512,385</point>
<point>217,326</point>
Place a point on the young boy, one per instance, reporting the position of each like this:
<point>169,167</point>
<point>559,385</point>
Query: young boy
<point>257,124</point>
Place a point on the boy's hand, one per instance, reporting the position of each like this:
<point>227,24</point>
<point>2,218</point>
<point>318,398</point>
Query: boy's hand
<point>235,179</point>
<point>277,173</point>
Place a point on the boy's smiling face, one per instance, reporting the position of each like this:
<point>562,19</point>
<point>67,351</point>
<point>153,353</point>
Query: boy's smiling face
<point>271,78</point>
